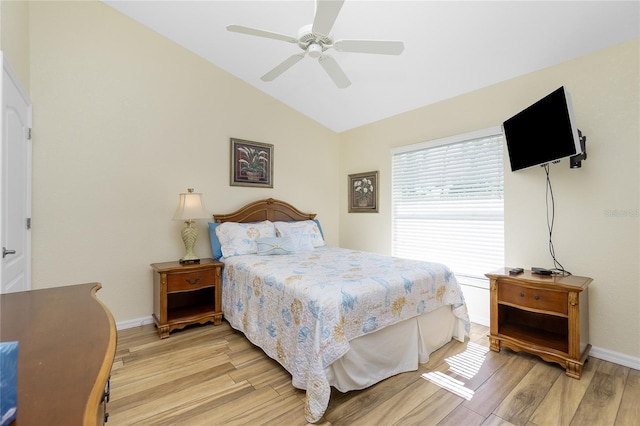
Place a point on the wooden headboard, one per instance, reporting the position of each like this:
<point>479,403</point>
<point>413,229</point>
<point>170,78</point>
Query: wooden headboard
<point>268,209</point>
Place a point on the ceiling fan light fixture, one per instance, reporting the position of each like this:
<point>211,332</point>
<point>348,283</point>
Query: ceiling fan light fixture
<point>315,39</point>
<point>314,50</point>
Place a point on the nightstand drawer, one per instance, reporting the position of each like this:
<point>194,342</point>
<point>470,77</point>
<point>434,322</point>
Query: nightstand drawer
<point>186,281</point>
<point>543,300</point>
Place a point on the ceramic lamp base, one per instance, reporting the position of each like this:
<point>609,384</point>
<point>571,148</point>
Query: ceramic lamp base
<point>189,237</point>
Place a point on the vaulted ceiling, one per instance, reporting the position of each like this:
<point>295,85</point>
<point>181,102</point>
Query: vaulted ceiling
<point>450,47</point>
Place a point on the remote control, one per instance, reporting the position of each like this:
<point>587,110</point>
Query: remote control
<point>516,271</point>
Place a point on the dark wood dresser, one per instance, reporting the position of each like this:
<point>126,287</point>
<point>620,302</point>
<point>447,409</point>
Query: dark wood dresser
<point>67,342</point>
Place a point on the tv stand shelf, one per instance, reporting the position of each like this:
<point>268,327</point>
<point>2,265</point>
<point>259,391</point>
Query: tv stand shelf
<point>546,316</point>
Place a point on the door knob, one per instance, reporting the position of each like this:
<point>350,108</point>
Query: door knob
<point>6,252</point>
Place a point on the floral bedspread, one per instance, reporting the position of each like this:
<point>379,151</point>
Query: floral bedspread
<point>302,309</point>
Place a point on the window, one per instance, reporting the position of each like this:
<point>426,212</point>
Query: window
<point>447,203</point>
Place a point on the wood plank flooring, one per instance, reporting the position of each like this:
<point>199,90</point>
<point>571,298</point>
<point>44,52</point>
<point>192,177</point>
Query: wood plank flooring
<point>212,375</point>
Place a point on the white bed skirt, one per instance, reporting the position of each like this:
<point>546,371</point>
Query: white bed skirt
<point>394,349</point>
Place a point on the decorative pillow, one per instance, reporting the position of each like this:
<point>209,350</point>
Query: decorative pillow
<point>237,239</point>
<point>301,230</point>
<point>274,245</point>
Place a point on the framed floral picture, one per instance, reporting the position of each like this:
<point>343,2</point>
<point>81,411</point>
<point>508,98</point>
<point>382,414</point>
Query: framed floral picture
<point>363,192</point>
<point>251,163</point>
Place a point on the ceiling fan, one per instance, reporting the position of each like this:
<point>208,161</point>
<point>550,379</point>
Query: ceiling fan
<point>314,39</point>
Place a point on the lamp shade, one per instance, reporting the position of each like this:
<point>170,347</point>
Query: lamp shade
<point>190,206</point>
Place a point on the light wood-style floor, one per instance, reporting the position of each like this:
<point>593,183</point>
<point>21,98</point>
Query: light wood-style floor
<point>212,375</point>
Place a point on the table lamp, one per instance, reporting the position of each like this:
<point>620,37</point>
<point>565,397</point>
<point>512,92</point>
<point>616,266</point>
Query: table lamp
<point>189,209</point>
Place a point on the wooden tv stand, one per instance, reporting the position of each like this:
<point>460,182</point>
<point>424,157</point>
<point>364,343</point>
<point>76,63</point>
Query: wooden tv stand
<point>545,315</point>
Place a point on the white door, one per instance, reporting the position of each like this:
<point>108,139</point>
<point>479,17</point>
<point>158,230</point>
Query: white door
<point>15,181</point>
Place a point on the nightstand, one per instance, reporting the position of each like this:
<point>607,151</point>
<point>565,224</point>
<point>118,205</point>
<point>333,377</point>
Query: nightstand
<point>185,294</point>
<point>545,315</point>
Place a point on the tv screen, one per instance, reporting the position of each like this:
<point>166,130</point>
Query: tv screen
<point>544,132</point>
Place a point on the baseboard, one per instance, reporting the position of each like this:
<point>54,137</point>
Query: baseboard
<point>615,357</point>
<point>479,320</point>
<point>134,323</point>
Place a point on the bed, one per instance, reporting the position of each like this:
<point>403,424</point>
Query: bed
<point>330,316</point>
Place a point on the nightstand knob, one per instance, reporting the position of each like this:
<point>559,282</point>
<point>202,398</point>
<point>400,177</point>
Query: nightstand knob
<point>194,281</point>
<point>536,297</point>
<point>521,294</point>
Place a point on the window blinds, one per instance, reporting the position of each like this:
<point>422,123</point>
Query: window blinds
<point>447,203</point>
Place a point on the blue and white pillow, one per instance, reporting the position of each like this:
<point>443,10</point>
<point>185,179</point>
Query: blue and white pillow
<point>237,239</point>
<point>275,245</point>
<point>301,232</point>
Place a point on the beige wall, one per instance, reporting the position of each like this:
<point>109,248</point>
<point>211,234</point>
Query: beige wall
<point>124,120</point>
<point>596,230</point>
<point>118,110</point>
<point>14,37</point>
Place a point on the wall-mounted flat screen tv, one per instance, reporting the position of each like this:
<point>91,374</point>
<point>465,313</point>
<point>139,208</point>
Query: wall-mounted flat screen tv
<point>544,132</point>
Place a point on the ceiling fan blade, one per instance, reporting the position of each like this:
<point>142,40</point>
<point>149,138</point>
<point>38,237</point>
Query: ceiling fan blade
<point>261,33</point>
<point>335,72</point>
<point>326,14</point>
<point>370,46</point>
<point>279,69</point>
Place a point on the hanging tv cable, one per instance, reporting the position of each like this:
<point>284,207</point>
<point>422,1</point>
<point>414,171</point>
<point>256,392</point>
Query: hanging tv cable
<point>550,203</point>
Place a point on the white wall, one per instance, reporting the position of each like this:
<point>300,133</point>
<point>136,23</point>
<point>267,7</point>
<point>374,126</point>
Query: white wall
<point>125,120</point>
<point>596,230</point>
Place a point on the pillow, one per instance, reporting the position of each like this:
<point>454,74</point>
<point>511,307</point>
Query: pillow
<point>317,222</point>
<point>301,241</point>
<point>274,245</point>
<point>301,230</point>
<point>237,239</point>
<point>215,242</point>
